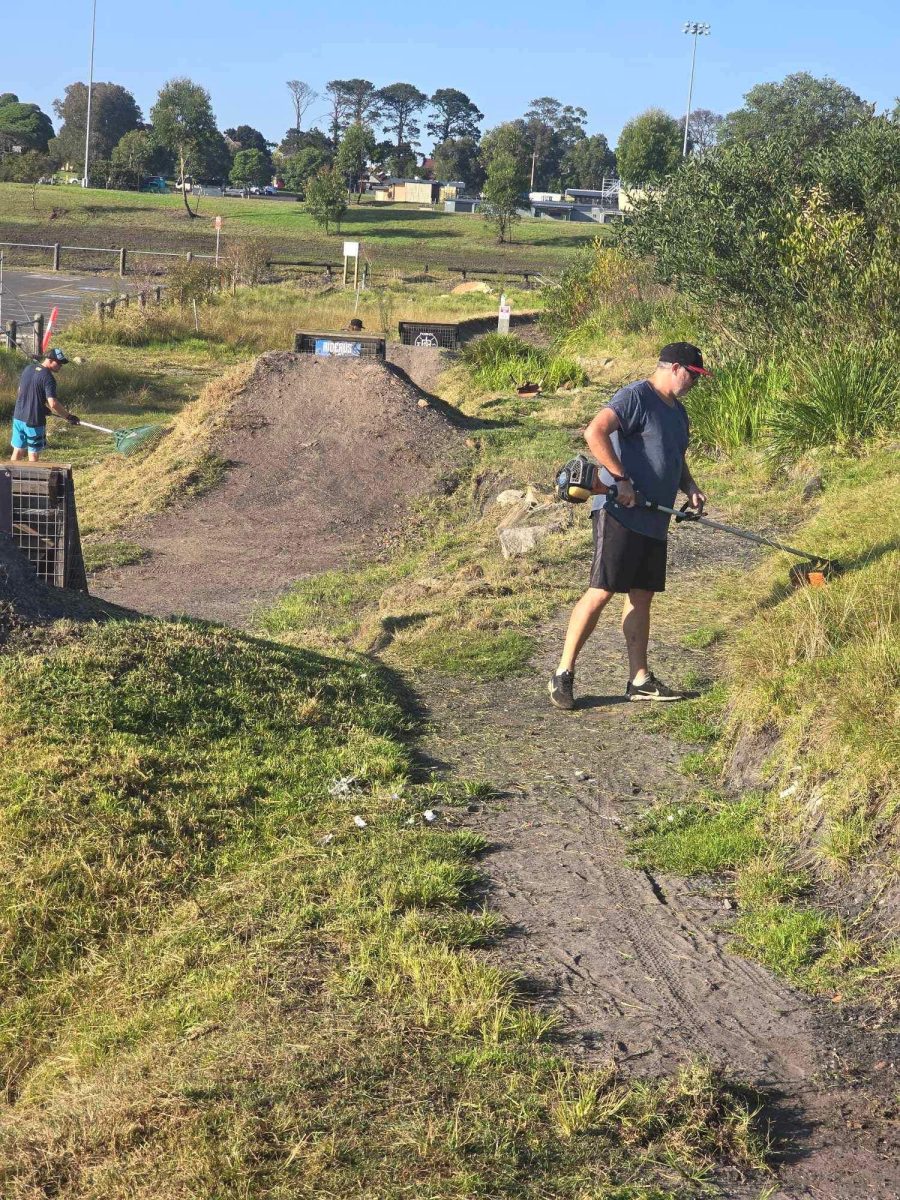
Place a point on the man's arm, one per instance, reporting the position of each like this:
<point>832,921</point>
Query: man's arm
<point>59,410</point>
<point>597,436</point>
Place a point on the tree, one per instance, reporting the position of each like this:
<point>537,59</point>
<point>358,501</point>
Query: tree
<point>649,147</point>
<point>183,123</point>
<point>23,125</point>
<point>302,96</point>
<point>588,163</point>
<point>245,137</point>
<point>508,138</point>
<point>805,110</point>
<point>353,154</point>
<point>132,155</point>
<point>551,129</point>
<point>399,102</point>
<point>300,166</point>
<point>294,141</point>
<point>250,168</point>
<point>114,112</point>
<point>703,129</point>
<point>457,159</point>
<point>25,168</point>
<point>339,108</point>
<point>506,180</point>
<point>326,198</point>
<point>454,116</point>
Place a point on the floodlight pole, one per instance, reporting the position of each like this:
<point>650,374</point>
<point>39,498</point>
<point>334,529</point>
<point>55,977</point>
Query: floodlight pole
<point>87,132</point>
<point>695,28</point>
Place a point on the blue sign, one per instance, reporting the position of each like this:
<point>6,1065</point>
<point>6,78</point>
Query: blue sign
<point>329,349</point>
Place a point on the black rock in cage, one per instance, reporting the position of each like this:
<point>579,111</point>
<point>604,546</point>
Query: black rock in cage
<point>339,345</point>
<point>429,333</point>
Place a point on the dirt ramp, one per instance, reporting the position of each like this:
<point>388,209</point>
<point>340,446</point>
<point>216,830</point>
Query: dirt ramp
<point>324,455</point>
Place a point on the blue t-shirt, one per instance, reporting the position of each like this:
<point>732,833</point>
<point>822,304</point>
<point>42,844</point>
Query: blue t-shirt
<point>651,443</point>
<point>36,386</point>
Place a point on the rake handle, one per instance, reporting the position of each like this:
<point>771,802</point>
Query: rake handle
<point>99,428</point>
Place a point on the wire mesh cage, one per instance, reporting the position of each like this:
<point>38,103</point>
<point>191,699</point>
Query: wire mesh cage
<point>429,333</point>
<point>339,345</point>
<point>37,510</point>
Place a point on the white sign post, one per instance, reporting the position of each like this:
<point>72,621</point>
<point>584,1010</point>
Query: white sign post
<point>351,250</point>
<point>503,317</point>
<point>218,231</point>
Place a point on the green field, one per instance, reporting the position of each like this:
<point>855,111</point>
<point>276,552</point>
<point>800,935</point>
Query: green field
<point>394,236</point>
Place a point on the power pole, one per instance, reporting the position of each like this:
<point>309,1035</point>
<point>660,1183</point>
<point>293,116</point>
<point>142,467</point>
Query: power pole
<point>696,28</point>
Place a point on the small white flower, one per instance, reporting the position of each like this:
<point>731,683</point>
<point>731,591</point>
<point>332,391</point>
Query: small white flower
<point>429,815</point>
<point>359,822</point>
<point>670,817</point>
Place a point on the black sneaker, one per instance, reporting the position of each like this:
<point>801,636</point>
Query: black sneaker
<point>560,689</point>
<point>651,689</point>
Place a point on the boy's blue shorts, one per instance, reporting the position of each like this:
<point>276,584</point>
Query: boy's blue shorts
<point>28,437</point>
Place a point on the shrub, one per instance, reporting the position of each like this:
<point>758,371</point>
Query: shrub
<point>837,397</point>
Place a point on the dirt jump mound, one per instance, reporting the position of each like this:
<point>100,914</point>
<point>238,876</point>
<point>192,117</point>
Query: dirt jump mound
<point>25,602</point>
<point>322,456</point>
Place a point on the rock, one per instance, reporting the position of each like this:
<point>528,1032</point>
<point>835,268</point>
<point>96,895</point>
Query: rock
<point>510,496</point>
<point>517,513</point>
<point>522,539</point>
<point>813,487</point>
<point>471,285</point>
<point>536,494</point>
<point>423,403</point>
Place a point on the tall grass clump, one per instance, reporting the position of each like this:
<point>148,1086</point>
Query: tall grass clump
<point>837,396</point>
<point>733,408</point>
<point>499,362</point>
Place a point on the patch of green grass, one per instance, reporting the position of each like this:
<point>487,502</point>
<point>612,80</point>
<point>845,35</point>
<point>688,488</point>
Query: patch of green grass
<point>223,972</point>
<point>703,637</point>
<point>697,720</point>
<point>499,362</point>
<point>700,837</point>
<point>207,473</point>
<point>479,654</point>
<point>100,555</point>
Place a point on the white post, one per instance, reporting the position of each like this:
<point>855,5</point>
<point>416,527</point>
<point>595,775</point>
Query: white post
<point>503,316</point>
<point>218,231</point>
<point>87,132</point>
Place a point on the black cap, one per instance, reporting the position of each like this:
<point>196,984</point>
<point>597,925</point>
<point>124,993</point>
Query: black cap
<point>57,356</point>
<point>685,355</point>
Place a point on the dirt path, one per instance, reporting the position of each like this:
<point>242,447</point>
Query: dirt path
<point>639,965</point>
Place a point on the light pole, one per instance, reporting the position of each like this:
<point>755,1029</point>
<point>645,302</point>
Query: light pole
<point>87,132</point>
<point>696,28</point>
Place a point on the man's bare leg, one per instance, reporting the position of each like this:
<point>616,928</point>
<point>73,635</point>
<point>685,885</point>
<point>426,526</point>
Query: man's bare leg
<point>582,624</point>
<point>17,455</point>
<point>636,628</point>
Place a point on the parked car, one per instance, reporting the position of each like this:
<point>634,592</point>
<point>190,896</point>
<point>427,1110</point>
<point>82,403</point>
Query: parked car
<point>235,191</point>
<point>269,190</point>
<point>156,184</point>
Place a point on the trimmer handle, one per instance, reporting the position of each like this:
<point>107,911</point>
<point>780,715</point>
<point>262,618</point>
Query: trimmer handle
<point>612,491</point>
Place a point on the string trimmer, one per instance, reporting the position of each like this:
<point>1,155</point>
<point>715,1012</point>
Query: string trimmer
<point>579,479</point>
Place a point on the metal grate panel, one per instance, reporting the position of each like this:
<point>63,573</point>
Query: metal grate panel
<point>37,509</point>
<point>339,345</point>
<point>429,333</point>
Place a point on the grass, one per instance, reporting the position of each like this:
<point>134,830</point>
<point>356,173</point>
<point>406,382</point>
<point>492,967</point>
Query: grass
<point>267,317</point>
<point>217,981</point>
<point>395,237</point>
<point>499,362</point>
<point>100,555</point>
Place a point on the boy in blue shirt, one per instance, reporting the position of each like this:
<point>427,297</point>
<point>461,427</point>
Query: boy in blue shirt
<point>35,401</point>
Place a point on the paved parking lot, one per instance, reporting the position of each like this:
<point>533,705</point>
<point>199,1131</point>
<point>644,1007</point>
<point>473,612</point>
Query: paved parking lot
<point>28,292</point>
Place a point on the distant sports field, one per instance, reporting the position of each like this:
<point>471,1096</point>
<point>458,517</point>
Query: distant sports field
<point>401,235</point>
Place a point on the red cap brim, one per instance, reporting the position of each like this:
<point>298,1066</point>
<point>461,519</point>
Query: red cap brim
<point>698,370</point>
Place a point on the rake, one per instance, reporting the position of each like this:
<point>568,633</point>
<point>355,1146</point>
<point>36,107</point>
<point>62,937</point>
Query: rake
<point>127,440</point>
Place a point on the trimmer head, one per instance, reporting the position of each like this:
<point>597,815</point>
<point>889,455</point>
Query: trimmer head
<point>814,573</point>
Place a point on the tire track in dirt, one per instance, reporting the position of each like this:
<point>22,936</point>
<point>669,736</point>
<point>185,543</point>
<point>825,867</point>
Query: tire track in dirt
<point>639,966</point>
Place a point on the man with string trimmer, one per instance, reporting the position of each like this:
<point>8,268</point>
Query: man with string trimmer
<point>640,439</point>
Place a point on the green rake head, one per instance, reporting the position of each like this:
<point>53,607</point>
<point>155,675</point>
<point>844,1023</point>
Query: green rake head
<point>129,440</point>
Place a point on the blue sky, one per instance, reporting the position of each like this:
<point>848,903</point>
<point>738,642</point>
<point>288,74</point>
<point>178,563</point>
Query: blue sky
<point>503,55</point>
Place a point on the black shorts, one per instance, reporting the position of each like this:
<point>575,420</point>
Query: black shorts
<point>624,559</point>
